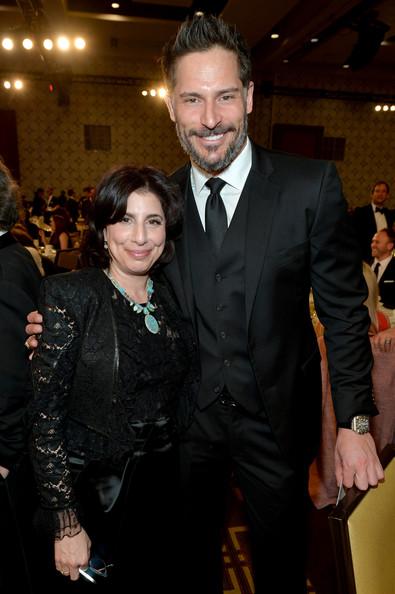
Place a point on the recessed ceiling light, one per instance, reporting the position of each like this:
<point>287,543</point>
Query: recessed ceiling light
<point>7,43</point>
<point>27,43</point>
<point>274,36</point>
<point>345,66</point>
<point>314,40</point>
<point>115,5</point>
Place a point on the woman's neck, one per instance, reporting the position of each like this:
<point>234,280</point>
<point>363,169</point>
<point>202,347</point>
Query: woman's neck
<point>134,284</point>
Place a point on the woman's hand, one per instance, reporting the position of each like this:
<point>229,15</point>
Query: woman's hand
<point>384,340</point>
<point>4,472</point>
<point>71,553</point>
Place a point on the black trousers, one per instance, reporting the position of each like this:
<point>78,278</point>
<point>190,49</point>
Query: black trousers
<point>225,440</point>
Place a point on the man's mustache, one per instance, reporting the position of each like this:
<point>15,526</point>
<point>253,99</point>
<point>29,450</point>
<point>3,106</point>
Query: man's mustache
<point>204,133</point>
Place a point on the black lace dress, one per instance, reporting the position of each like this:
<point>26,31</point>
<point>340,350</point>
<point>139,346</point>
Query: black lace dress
<point>152,372</point>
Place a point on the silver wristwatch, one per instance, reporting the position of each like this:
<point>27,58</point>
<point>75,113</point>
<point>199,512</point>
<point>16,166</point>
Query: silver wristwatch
<point>360,424</point>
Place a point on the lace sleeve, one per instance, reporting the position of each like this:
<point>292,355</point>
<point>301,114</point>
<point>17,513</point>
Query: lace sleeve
<point>52,372</point>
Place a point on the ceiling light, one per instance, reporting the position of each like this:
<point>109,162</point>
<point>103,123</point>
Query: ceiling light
<point>18,84</point>
<point>79,43</point>
<point>115,5</point>
<point>48,44</point>
<point>345,66</point>
<point>314,40</point>
<point>274,36</point>
<point>285,61</point>
<point>144,93</point>
<point>385,107</point>
<point>27,43</point>
<point>162,92</point>
<point>153,92</point>
<point>7,43</point>
<point>392,108</point>
<point>63,43</point>
<point>7,84</point>
<point>377,108</point>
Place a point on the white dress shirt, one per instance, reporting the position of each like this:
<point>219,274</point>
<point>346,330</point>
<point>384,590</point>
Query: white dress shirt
<point>235,177</point>
<point>383,265</point>
<point>381,221</point>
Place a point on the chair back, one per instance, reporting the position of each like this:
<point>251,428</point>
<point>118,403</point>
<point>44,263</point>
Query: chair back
<point>363,535</point>
<point>68,259</point>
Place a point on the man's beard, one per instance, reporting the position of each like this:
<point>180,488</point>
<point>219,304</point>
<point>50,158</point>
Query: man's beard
<point>231,152</point>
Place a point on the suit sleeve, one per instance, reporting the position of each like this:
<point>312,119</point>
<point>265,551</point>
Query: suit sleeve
<point>15,390</point>
<point>339,292</point>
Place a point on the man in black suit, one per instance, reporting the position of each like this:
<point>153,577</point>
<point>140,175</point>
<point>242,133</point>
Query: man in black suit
<point>19,285</point>
<point>252,245</point>
<point>274,225</point>
<point>371,218</point>
<point>383,265</point>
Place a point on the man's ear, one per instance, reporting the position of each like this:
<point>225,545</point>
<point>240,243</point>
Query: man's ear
<point>250,95</point>
<point>169,105</point>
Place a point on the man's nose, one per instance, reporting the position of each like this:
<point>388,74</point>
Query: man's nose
<point>211,116</point>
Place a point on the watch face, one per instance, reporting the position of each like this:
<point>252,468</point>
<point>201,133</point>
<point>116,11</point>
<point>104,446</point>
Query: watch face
<point>360,424</point>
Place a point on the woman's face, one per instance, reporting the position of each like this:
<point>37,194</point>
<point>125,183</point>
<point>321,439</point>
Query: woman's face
<point>137,241</point>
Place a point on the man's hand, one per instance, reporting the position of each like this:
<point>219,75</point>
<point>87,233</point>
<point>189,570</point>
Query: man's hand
<point>33,328</point>
<point>356,460</point>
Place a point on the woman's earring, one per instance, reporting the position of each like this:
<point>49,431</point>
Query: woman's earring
<point>105,244</point>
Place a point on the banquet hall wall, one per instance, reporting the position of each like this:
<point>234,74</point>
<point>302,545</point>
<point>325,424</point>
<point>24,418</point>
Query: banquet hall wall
<point>51,137</point>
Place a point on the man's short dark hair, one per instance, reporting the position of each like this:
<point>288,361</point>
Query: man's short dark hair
<point>9,196</point>
<point>390,234</point>
<point>199,34</point>
<point>381,183</point>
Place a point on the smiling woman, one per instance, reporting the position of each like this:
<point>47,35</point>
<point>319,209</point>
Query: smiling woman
<point>107,384</point>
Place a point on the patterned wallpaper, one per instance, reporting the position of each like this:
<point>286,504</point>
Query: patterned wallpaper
<point>51,138</point>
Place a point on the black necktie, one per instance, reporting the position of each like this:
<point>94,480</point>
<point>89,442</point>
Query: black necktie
<point>378,209</point>
<point>216,220</point>
<point>376,269</point>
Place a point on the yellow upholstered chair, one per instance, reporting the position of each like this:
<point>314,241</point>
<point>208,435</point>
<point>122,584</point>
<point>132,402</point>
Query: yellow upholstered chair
<point>363,535</point>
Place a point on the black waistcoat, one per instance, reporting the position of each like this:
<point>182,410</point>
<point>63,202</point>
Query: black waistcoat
<point>219,294</point>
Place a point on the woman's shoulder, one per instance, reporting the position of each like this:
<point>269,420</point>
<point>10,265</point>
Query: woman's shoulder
<point>85,281</point>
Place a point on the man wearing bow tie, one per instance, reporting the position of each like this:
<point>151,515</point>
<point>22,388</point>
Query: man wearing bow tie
<point>373,217</point>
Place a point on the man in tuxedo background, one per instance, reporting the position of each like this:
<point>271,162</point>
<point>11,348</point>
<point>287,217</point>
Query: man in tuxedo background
<point>383,265</point>
<point>260,228</point>
<point>373,217</point>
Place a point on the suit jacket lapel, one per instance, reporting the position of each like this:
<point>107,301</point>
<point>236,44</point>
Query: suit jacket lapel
<point>262,196</point>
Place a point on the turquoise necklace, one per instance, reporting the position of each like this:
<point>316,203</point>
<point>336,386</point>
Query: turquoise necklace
<point>150,321</point>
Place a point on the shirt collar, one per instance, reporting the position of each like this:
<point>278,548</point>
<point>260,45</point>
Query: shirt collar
<point>235,174</point>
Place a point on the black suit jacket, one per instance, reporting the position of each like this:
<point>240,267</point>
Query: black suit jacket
<point>19,286</point>
<point>387,285</point>
<point>365,227</point>
<point>298,235</point>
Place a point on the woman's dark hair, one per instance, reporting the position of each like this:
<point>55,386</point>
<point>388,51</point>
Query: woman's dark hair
<point>110,204</point>
<point>9,197</point>
<point>61,226</point>
<point>199,34</point>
